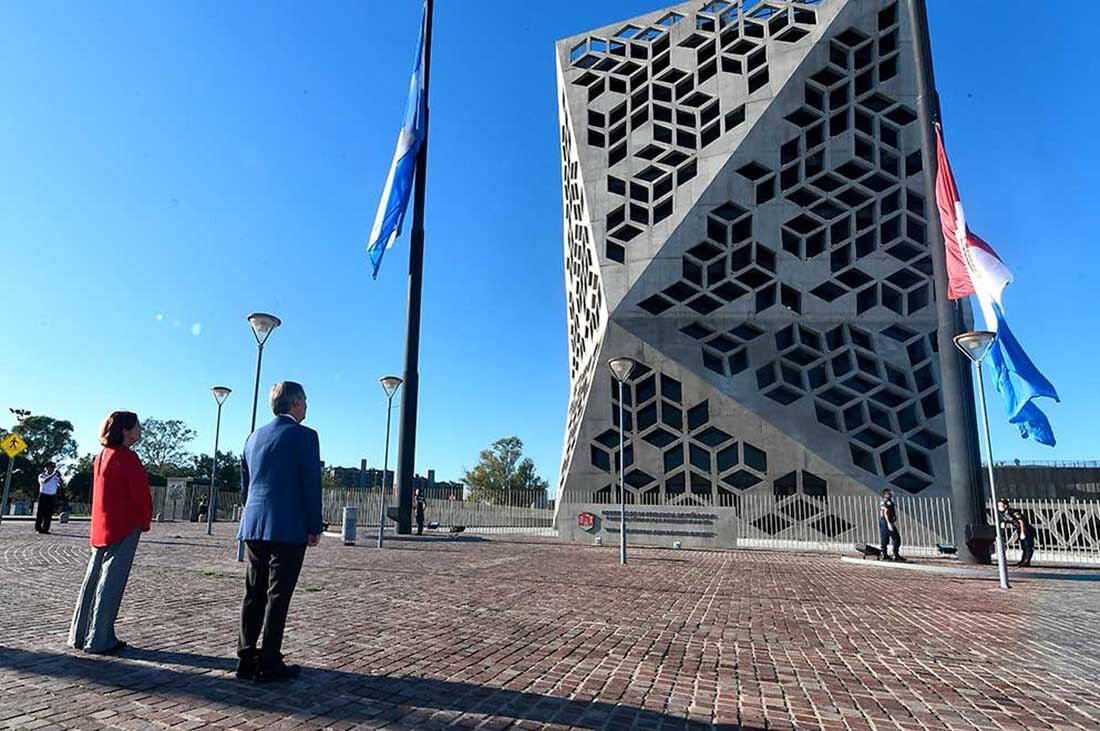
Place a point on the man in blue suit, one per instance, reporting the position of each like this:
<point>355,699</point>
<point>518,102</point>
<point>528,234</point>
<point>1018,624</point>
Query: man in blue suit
<point>281,492</point>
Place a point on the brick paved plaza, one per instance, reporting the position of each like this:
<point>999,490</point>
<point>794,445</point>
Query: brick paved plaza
<point>525,634</point>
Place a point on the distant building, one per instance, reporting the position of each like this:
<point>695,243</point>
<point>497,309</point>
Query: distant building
<point>1048,480</point>
<point>365,478</point>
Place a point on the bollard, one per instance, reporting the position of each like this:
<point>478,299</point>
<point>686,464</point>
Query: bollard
<point>676,545</point>
<point>599,540</point>
<point>64,517</point>
<point>351,515</point>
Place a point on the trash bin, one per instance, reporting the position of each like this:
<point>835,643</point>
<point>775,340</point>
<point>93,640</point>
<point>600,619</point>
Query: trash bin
<point>351,515</point>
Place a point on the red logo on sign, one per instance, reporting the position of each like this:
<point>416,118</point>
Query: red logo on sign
<point>587,521</point>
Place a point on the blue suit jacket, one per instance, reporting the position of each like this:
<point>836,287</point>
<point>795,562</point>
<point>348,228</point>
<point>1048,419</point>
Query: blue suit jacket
<point>281,483</point>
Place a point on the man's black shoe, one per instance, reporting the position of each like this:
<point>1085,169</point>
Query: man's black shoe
<point>246,667</point>
<point>282,671</point>
<point>900,559</point>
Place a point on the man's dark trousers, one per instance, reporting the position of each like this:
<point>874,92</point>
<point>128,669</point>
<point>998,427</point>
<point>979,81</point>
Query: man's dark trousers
<point>888,535</point>
<point>43,517</point>
<point>273,570</point>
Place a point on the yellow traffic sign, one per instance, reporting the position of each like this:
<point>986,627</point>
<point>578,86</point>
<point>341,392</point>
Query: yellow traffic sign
<point>12,445</point>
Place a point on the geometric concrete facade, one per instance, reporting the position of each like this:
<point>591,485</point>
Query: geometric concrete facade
<point>745,214</point>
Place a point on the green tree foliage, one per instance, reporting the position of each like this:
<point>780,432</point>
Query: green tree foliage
<point>48,440</point>
<point>503,476</point>
<point>229,469</point>
<point>163,446</point>
<point>79,487</point>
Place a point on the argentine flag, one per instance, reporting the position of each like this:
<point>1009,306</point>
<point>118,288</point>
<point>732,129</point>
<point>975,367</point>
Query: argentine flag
<point>399,182</point>
<point>973,267</point>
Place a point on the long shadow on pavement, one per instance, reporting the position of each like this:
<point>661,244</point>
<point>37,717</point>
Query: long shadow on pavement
<point>335,695</point>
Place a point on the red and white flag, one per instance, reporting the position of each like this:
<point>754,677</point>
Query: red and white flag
<point>973,267</point>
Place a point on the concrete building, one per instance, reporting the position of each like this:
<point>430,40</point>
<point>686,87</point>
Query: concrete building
<point>1048,480</point>
<point>745,213</point>
<point>364,477</point>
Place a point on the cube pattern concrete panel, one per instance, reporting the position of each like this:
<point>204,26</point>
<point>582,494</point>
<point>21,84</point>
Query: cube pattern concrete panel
<point>757,225</point>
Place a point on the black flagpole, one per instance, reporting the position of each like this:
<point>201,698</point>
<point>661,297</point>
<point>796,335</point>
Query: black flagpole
<point>406,450</point>
<point>967,493</point>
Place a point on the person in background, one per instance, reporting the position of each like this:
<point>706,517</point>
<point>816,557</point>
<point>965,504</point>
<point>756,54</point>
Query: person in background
<point>281,493</point>
<point>888,527</point>
<point>49,481</point>
<point>122,509</point>
<point>1009,518</point>
<point>419,503</point>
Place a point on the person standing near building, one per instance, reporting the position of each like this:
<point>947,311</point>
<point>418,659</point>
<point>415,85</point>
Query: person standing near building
<point>122,509</point>
<point>888,527</point>
<point>1009,518</point>
<point>419,503</point>
<point>49,481</point>
<point>281,492</point>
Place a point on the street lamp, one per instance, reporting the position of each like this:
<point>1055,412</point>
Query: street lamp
<point>621,368</point>
<point>390,384</point>
<point>262,325</point>
<point>221,393</point>
<point>975,346</point>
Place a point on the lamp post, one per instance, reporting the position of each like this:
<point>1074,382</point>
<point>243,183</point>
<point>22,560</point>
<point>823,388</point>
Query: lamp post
<point>621,368</point>
<point>975,346</point>
<point>390,384</point>
<point>221,393</point>
<point>263,324</point>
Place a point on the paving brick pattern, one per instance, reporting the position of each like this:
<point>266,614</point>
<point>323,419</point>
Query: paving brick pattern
<point>515,634</point>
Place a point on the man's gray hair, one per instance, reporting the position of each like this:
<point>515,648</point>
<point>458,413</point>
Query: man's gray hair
<point>285,393</point>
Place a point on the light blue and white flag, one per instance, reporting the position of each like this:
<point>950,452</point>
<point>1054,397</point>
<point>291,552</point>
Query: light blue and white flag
<point>399,182</point>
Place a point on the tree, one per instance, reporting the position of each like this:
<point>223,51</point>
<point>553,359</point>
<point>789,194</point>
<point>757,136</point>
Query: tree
<point>229,469</point>
<point>48,440</point>
<point>503,476</point>
<point>163,445</point>
<point>79,487</point>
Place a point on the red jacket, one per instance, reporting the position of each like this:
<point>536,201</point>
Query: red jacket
<point>121,500</point>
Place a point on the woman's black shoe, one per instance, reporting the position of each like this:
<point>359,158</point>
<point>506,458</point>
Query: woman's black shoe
<point>112,650</point>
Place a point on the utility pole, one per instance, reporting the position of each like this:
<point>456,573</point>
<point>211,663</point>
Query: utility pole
<point>957,385</point>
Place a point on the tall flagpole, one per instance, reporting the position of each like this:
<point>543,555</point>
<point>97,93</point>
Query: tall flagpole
<point>967,493</point>
<point>406,449</point>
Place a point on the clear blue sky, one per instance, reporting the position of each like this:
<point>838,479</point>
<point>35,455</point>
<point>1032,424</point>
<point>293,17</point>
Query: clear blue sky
<point>169,167</point>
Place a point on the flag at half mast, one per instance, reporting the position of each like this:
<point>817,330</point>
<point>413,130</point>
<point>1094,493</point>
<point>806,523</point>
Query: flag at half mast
<point>399,182</point>
<point>973,267</point>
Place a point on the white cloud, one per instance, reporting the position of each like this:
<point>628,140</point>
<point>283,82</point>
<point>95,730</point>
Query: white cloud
<point>160,317</point>
<point>196,328</point>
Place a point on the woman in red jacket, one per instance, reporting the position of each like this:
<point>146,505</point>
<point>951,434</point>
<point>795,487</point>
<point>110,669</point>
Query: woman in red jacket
<point>122,508</point>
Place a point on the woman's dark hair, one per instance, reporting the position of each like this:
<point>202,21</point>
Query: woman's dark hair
<point>110,434</point>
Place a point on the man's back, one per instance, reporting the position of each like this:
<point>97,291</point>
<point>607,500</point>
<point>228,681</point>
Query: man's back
<point>281,483</point>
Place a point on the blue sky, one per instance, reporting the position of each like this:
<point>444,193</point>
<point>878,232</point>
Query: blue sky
<point>169,167</point>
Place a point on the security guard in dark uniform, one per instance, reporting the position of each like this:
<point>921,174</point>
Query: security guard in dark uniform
<point>1009,518</point>
<point>888,527</point>
<point>418,504</point>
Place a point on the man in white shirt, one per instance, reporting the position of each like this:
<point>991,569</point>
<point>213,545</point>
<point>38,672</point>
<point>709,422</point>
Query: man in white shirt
<point>48,483</point>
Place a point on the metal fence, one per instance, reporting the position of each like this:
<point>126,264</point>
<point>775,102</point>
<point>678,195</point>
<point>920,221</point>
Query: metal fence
<point>1067,531</point>
<point>803,522</point>
<point>474,517</point>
